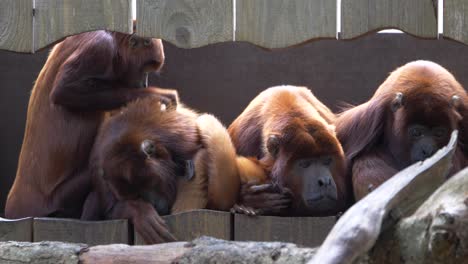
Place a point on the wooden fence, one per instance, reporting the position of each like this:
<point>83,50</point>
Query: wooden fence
<point>305,231</point>
<point>29,25</point>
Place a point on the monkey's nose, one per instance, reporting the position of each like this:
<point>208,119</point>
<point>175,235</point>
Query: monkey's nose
<point>324,181</point>
<point>427,151</point>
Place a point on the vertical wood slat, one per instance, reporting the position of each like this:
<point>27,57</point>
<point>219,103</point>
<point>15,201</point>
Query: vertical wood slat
<point>282,23</point>
<point>16,23</point>
<point>76,231</point>
<point>416,17</point>
<point>16,230</point>
<point>304,231</point>
<point>456,20</point>
<point>186,23</point>
<point>56,19</point>
<point>190,225</point>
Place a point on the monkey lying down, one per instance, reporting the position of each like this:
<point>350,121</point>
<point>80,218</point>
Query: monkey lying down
<point>293,136</point>
<point>149,161</point>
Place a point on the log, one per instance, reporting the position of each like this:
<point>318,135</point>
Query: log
<point>201,250</point>
<point>438,231</point>
<point>358,229</point>
<point>210,250</point>
<point>40,253</point>
<point>155,254</point>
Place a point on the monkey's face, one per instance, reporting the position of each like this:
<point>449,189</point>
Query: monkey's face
<point>137,56</point>
<point>309,165</point>
<point>421,126</point>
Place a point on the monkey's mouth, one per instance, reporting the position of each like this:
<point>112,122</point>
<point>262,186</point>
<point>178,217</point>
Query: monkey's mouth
<point>151,66</point>
<point>319,198</point>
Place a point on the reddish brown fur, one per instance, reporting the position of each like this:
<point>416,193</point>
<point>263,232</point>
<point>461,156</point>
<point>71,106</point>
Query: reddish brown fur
<point>306,129</point>
<point>84,76</point>
<point>128,183</point>
<point>374,138</point>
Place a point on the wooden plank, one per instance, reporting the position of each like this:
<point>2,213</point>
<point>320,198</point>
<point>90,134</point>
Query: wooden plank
<point>304,231</point>
<point>282,23</point>
<point>187,226</point>
<point>56,19</point>
<point>456,20</point>
<point>186,23</point>
<point>16,229</point>
<point>76,231</point>
<point>16,23</point>
<point>416,17</point>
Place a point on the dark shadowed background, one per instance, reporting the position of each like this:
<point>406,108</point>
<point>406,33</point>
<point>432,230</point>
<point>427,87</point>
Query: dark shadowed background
<point>223,78</point>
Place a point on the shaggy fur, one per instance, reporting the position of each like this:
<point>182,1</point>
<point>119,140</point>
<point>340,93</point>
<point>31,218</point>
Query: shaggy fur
<point>374,136</point>
<point>216,181</point>
<point>305,128</point>
<point>84,76</point>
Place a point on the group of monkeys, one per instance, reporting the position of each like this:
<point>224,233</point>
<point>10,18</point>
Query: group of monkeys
<point>100,144</point>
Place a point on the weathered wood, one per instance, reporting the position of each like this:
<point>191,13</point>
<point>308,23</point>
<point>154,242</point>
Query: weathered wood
<point>456,20</point>
<point>438,231</point>
<point>76,231</point>
<point>40,253</point>
<point>186,23</point>
<point>154,254</point>
<point>190,225</point>
<point>16,229</point>
<point>16,23</point>
<point>304,231</point>
<point>210,250</point>
<point>358,229</point>
<point>280,23</point>
<point>56,19</point>
<point>416,17</point>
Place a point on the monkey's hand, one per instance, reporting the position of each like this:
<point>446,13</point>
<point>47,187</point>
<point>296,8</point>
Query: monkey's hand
<point>145,219</point>
<point>263,199</point>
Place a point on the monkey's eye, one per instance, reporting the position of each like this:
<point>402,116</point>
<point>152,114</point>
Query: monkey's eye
<point>305,163</point>
<point>327,161</point>
<point>439,132</point>
<point>132,42</point>
<point>148,147</point>
<point>147,42</point>
<point>416,132</point>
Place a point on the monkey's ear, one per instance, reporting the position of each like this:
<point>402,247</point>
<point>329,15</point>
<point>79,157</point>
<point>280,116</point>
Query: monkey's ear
<point>397,102</point>
<point>273,145</point>
<point>455,101</point>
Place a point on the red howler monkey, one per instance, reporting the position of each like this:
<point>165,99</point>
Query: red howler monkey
<point>293,136</point>
<point>84,76</point>
<point>407,120</point>
<point>141,168</point>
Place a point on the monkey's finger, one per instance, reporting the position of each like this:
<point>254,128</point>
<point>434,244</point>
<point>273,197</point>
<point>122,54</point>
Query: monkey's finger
<point>281,202</point>
<point>242,209</point>
<point>267,187</point>
<point>286,191</point>
<point>162,231</point>
<point>263,197</point>
<point>148,233</point>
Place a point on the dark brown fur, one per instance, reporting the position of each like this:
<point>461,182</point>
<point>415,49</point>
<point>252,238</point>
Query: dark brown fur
<point>305,128</point>
<point>84,76</point>
<point>375,138</point>
<point>129,183</point>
